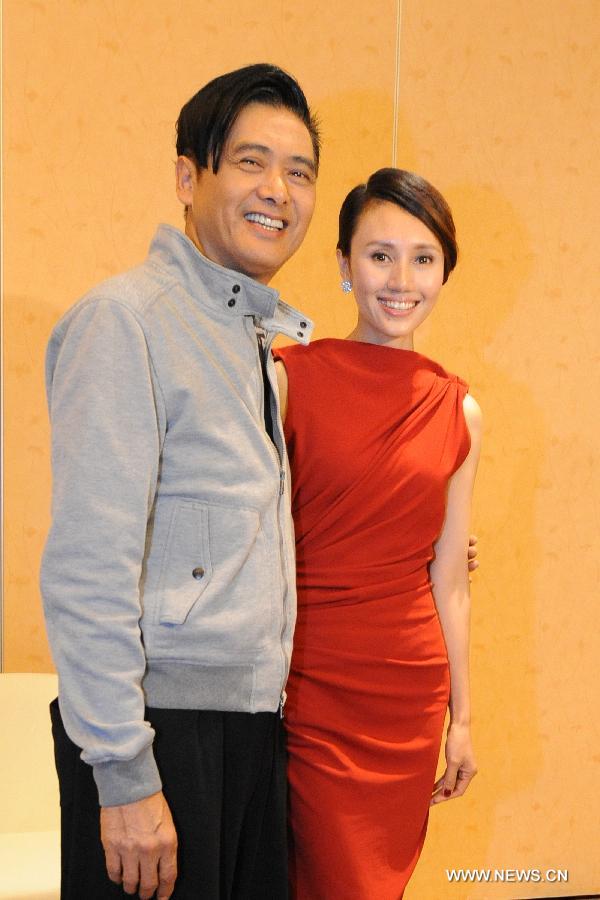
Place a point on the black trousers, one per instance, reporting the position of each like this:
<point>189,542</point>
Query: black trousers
<point>224,778</point>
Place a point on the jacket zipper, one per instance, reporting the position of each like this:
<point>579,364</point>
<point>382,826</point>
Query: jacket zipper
<point>264,341</point>
<point>282,547</point>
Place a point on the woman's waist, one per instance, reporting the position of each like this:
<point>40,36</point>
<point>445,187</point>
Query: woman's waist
<point>370,608</point>
<point>352,583</point>
<point>372,631</point>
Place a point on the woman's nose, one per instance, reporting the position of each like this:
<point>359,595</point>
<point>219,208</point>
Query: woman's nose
<point>400,276</point>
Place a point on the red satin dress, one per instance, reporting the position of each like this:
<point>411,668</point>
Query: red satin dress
<point>374,433</point>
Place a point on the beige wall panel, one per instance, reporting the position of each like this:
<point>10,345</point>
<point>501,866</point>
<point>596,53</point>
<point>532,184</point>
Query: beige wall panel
<point>497,109</point>
<point>91,94</point>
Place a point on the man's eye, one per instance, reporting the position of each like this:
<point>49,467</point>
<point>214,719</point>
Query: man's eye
<point>246,161</point>
<point>300,174</point>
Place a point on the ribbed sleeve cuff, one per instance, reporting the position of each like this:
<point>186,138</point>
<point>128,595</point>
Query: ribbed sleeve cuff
<point>125,781</point>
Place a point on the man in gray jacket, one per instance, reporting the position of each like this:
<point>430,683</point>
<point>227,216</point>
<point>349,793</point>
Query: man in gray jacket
<point>168,575</point>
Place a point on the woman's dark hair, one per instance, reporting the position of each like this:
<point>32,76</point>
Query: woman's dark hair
<point>412,193</point>
<point>205,121</point>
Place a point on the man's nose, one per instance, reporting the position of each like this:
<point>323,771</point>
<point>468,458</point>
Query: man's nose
<point>274,186</point>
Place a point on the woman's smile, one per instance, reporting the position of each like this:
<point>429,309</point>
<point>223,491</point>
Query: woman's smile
<point>396,266</point>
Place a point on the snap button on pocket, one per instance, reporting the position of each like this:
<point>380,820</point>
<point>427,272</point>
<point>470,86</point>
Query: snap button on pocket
<point>186,571</point>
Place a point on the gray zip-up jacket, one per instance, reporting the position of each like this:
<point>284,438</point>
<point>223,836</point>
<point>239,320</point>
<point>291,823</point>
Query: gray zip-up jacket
<point>168,575</point>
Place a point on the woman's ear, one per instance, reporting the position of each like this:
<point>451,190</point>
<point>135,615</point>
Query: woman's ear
<point>343,266</point>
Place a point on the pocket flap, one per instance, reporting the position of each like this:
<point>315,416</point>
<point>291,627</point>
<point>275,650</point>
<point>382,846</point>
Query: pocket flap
<point>187,567</point>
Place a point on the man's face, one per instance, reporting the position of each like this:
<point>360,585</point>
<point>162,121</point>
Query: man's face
<point>252,215</point>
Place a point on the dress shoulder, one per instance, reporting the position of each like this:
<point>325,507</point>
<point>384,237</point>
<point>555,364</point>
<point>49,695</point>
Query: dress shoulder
<point>292,353</point>
<point>357,359</point>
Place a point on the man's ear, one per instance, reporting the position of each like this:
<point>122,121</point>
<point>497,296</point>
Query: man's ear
<point>186,175</point>
<point>343,266</point>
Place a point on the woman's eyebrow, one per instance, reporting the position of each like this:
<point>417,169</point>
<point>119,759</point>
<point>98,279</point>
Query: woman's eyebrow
<point>392,244</point>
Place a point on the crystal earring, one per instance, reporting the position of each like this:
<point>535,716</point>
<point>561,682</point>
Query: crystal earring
<point>346,286</point>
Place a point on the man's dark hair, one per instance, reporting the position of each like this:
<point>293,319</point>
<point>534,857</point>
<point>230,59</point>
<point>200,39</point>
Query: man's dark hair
<point>410,192</point>
<point>206,119</point>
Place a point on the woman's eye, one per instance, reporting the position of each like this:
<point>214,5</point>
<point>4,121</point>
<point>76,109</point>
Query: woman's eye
<point>380,257</point>
<point>424,259</point>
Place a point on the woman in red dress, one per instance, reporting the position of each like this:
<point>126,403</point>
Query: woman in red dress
<point>383,448</point>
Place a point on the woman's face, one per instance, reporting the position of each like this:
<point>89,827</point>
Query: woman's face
<point>396,267</point>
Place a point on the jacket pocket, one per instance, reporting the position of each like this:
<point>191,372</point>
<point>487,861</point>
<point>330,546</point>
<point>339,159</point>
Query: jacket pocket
<point>187,567</point>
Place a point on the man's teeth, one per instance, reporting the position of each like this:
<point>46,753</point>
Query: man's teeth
<point>399,304</point>
<point>265,221</point>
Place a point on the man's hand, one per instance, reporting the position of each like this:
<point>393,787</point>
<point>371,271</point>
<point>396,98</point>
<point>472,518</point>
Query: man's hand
<point>472,560</point>
<point>140,844</point>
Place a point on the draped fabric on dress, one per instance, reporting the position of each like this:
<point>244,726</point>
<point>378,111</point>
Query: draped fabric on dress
<point>374,433</point>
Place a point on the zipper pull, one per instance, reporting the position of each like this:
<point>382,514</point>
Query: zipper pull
<point>281,482</point>
<point>282,700</point>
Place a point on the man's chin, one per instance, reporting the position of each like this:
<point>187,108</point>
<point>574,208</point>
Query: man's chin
<point>263,269</point>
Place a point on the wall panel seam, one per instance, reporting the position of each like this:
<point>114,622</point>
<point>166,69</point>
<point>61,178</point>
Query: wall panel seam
<point>396,82</point>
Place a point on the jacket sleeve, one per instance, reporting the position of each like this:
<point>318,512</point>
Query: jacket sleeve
<point>105,412</point>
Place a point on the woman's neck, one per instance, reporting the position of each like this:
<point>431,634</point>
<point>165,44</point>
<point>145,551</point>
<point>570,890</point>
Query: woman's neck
<point>367,336</point>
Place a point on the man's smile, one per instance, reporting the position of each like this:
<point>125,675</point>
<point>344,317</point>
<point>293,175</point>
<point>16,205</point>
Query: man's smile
<point>265,221</point>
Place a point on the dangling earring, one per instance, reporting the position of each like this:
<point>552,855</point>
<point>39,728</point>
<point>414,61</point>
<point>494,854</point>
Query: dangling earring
<point>346,286</point>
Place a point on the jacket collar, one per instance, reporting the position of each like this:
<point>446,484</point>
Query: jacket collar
<point>230,292</point>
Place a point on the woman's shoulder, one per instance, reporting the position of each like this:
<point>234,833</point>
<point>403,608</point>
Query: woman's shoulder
<point>296,356</point>
<point>301,351</point>
<point>445,375</point>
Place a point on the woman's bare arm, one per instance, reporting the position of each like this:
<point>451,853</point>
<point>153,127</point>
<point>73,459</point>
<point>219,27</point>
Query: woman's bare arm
<point>450,579</point>
<point>282,384</point>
